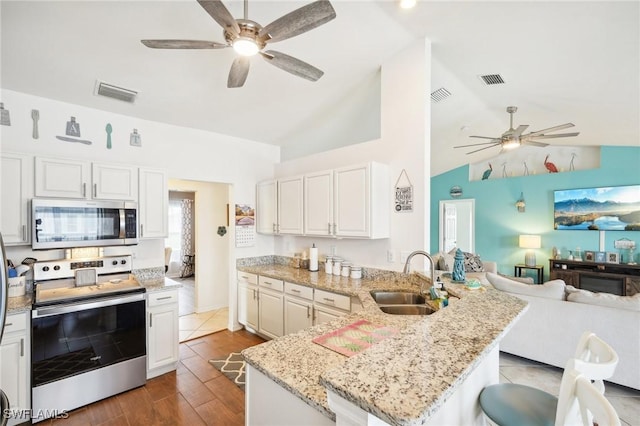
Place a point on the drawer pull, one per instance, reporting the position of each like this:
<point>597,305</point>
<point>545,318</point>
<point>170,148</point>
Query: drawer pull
<point>267,283</point>
<point>9,324</point>
<point>164,298</point>
<point>244,277</point>
<point>24,233</point>
<point>150,320</point>
<point>21,347</point>
<point>329,300</point>
<point>295,290</point>
<point>308,311</point>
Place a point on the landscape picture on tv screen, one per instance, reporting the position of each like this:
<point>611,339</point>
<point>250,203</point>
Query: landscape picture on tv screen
<point>614,208</point>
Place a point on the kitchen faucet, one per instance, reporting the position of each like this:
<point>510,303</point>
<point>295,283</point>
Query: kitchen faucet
<point>432,265</point>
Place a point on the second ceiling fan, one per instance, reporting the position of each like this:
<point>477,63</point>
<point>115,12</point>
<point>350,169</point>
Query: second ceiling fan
<point>249,38</point>
<point>513,138</point>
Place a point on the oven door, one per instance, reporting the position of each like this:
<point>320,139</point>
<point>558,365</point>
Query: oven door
<point>68,340</point>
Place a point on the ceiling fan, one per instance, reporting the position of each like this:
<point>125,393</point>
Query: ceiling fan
<point>513,138</point>
<point>249,38</point>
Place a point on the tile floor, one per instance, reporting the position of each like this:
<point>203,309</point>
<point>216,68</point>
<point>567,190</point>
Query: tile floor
<point>513,369</point>
<point>198,325</point>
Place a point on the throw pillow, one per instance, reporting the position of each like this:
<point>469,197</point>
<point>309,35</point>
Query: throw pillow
<point>526,280</point>
<point>472,263</point>
<point>631,303</point>
<point>550,290</point>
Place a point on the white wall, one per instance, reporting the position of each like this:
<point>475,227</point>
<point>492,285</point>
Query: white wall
<point>184,152</point>
<point>404,144</point>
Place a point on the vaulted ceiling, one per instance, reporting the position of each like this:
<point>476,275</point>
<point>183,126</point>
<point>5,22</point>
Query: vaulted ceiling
<point>561,62</point>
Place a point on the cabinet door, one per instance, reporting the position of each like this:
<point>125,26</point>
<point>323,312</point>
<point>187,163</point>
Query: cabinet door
<point>352,198</point>
<point>61,178</point>
<point>248,305</point>
<point>290,205</point>
<point>318,203</point>
<point>323,314</point>
<point>163,335</point>
<point>112,182</point>
<point>297,314</point>
<point>14,364</point>
<point>266,207</point>
<point>15,191</point>
<point>271,318</point>
<point>153,203</point>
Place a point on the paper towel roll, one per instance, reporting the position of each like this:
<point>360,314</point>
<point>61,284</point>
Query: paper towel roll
<point>313,258</point>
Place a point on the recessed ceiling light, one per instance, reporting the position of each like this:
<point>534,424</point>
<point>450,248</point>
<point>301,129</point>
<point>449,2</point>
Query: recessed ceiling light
<point>407,4</point>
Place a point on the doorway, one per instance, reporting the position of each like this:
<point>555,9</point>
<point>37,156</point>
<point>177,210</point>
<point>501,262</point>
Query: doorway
<point>181,247</point>
<point>457,225</point>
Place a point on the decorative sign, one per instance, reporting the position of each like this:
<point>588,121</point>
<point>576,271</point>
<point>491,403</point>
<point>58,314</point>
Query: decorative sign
<point>455,191</point>
<point>245,225</point>
<point>404,195</point>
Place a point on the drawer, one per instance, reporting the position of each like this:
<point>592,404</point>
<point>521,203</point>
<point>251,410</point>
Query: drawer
<point>248,277</point>
<point>298,290</point>
<point>162,297</point>
<point>339,301</point>
<point>15,322</point>
<point>272,283</point>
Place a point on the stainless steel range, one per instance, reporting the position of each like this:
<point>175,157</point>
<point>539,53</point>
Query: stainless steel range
<point>88,333</point>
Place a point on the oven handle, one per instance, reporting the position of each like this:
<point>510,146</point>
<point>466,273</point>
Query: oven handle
<point>47,311</point>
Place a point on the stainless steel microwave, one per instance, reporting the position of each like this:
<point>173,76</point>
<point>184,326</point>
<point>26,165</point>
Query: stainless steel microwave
<point>80,223</point>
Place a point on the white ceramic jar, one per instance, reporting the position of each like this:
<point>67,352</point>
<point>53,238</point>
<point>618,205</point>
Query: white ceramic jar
<point>337,266</point>
<point>328,265</point>
<point>356,272</point>
<point>346,269</point>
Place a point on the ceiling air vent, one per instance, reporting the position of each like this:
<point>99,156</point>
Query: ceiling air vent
<point>491,79</point>
<point>115,92</point>
<point>440,95</point>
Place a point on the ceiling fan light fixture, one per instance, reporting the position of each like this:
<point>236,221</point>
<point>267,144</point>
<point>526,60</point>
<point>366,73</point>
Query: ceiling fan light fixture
<point>245,46</point>
<point>407,4</point>
<point>511,144</point>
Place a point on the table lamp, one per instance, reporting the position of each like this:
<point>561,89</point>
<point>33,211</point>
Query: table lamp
<point>530,242</point>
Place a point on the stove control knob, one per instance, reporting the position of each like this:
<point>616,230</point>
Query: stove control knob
<point>56,268</point>
<point>114,263</point>
<point>45,268</point>
<point>124,262</point>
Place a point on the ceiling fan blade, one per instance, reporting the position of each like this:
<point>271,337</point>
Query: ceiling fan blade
<point>239,71</point>
<point>495,142</point>
<point>299,21</point>
<point>292,65</point>
<point>550,129</point>
<point>481,149</point>
<point>534,143</point>
<point>521,128</point>
<point>485,137</point>
<point>559,135</point>
<point>183,44</point>
<point>217,10</point>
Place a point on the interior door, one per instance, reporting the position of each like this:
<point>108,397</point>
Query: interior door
<point>457,225</point>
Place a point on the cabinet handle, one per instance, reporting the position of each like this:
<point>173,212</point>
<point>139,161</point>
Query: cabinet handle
<point>254,294</point>
<point>329,228</point>
<point>334,228</point>
<point>313,314</point>
<point>8,324</point>
<point>308,311</point>
<point>95,190</point>
<point>150,320</point>
<point>164,298</point>
<point>21,347</point>
<point>267,283</point>
<point>141,230</point>
<point>294,290</point>
<point>84,189</point>
<point>244,277</point>
<point>274,228</point>
<point>326,299</point>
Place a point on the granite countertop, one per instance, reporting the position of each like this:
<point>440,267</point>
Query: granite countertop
<point>402,380</point>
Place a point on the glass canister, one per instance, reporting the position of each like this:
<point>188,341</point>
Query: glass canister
<point>337,266</point>
<point>356,272</point>
<point>328,265</point>
<point>346,269</point>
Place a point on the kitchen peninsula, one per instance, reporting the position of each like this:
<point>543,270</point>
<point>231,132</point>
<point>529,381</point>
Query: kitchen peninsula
<point>431,372</point>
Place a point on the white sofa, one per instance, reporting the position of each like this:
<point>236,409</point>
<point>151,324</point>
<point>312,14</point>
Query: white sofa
<point>549,331</point>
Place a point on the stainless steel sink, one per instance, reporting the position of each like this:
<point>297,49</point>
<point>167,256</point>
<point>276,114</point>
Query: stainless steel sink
<point>407,309</point>
<point>397,298</point>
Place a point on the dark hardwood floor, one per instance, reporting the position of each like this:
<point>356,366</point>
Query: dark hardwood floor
<point>194,394</point>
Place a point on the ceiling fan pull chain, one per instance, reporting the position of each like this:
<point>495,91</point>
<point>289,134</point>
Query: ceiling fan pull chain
<point>246,9</point>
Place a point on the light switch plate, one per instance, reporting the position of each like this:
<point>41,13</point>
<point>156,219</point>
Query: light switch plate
<point>391,256</point>
<point>403,255</point>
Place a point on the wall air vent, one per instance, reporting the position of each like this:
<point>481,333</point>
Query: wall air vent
<point>115,92</point>
<point>440,95</point>
<point>491,79</point>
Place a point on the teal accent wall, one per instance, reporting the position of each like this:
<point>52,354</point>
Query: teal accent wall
<point>498,222</point>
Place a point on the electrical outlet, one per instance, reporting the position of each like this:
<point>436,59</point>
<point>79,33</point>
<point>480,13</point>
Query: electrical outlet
<point>391,256</point>
<point>403,255</point>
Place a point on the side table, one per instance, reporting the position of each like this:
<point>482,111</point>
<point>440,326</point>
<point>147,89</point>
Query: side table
<point>517,271</point>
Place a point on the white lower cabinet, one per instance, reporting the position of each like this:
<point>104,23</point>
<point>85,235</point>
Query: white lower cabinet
<point>328,306</point>
<point>270,307</point>
<point>298,307</point>
<point>162,332</point>
<point>15,366</point>
<point>248,300</point>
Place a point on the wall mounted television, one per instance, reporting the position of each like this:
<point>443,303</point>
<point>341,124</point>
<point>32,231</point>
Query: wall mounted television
<point>611,208</point>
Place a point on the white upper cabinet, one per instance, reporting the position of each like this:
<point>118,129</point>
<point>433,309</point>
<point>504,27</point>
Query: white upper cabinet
<point>290,201</point>
<point>114,182</point>
<point>266,207</point>
<point>16,189</point>
<point>153,203</point>
<point>59,178</point>
<point>318,203</point>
